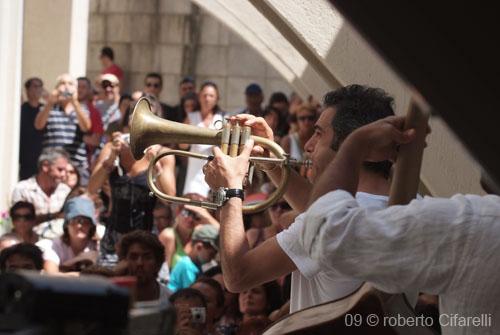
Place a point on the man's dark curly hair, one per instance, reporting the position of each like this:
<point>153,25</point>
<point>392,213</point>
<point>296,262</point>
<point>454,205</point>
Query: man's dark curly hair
<point>27,250</point>
<point>356,106</point>
<point>144,238</point>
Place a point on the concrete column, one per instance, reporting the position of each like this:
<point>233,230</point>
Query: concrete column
<point>11,30</point>
<point>78,38</point>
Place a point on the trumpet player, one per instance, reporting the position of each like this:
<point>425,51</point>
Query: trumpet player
<point>345,110</point>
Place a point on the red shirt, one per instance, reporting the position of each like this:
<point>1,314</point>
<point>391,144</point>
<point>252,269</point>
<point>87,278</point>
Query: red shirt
<point>114,69</point>
<point>95,119</point>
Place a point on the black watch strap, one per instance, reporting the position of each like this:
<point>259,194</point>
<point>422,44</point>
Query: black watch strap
<point>235,192</point>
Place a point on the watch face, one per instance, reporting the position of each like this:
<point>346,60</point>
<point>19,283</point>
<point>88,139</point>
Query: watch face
<point>219,196</point>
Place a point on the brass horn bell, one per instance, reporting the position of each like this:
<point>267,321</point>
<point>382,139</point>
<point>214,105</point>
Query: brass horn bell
<point>147,129</point>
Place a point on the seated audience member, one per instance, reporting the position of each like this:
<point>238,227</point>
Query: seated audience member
<point>30,139</point>
<point>204,248</point>
<point>143,255</point>
<point>23,219</point>
<point>163,217</point>
<point>107,58</point>
<point>72,177</point>
<point>190,307</point>
<point>64,121</point>
<point>214,296</point>
<point>108,99</point>
<point>176,239</point>
<point>8,240</point>
<point>259,301</point>
<point>79,229</point>
<point>46,191</point>
<point>22,256</point>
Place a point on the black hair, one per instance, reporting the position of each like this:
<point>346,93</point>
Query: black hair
<point>85,79</point>
<point>27,250</point>
<point>188,293</point>
<point>187,79</point>
<point>186,97</point>
<point>154,75</point>
<point>144,238</point>
<point>21,204</point>
<point>214,270</point>
<point>29,82</point>
<point>277,97</point>
<point>108,52</point>
<point>215,285</point>
<point>356,106</point>
<point>273,296</point>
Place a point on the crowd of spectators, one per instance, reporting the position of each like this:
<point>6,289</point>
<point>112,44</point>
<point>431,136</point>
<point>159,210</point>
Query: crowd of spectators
<point>83,206</point>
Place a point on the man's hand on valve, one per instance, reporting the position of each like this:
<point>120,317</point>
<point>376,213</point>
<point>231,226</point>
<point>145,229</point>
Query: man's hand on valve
<point>225,171</point>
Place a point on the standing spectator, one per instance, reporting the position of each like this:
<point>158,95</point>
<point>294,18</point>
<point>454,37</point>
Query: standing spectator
<point>204,248</point>
<point>153,85</point>
<point>272,116</point>
<point>24,219</point>
<point>108,101</point>
<point>31,138</point>
<point>46,191</point>
<point>143,255</point>
<point>294,143</point>
<point>187,85</point>
<point>207,117</point>
<point>253,99</point>
<point>107,58</point>
<point>64,121</point>
<point>92,138</point>
<point>279,101</point>
<point>214,296</point>
<point>131,205</point>
<point>78,230</point>
<point>23,256</point>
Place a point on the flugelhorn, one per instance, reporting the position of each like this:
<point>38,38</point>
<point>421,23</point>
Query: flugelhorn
<point>147,129</point>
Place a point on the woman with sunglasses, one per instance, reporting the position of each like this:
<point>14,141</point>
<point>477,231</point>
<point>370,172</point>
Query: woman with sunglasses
<point>23,218</point>
<point>294,143</point>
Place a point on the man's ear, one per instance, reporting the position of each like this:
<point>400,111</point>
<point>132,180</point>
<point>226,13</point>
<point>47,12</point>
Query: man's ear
<point>45,167</point>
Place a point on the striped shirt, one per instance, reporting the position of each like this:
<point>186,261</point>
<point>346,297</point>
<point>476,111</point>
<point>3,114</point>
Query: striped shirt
<point>62,131</point>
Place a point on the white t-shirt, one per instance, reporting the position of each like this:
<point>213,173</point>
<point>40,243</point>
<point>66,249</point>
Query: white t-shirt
<point>449,247</point>
<point>195,179</point>
<point>312,285</point>
<point>59,252</point>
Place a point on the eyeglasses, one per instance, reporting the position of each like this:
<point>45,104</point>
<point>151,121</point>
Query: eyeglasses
<point>309,117</point>
<point>284,206</point>
<point>26,217</point>
<point>155,85</point>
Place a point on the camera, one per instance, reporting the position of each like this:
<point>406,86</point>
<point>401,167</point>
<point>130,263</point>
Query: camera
<point>198,314</point>
<point>66,94</point>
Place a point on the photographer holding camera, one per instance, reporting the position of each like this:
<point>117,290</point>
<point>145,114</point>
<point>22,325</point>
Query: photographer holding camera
<point>64,121</point>
<point>190,306</point>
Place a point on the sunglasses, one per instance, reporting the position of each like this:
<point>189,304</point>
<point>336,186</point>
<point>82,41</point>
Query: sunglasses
<point>155,85</point>
<point>186,213</point>
<point>106,83</point>
<point>309,117</point>
<point>284,206</point>
<point>26,217</point>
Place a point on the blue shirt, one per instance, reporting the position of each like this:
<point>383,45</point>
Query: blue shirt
<point>183,274</point>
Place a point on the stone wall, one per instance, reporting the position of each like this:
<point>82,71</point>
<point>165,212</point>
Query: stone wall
<point>154,35</point>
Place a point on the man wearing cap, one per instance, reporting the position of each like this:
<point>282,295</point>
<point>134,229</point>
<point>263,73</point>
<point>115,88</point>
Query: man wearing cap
<point>253,99</point>
<point>204,247</point>
<point>109,96</point>
<point>79,229</point>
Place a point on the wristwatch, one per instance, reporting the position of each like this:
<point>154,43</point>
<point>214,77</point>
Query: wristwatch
<point>222,195</point>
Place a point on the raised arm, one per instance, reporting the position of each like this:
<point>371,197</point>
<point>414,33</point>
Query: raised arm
<point>43,115</point>
<point>83,118</point>
<point>243,267</point>
<point>298,200</point>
